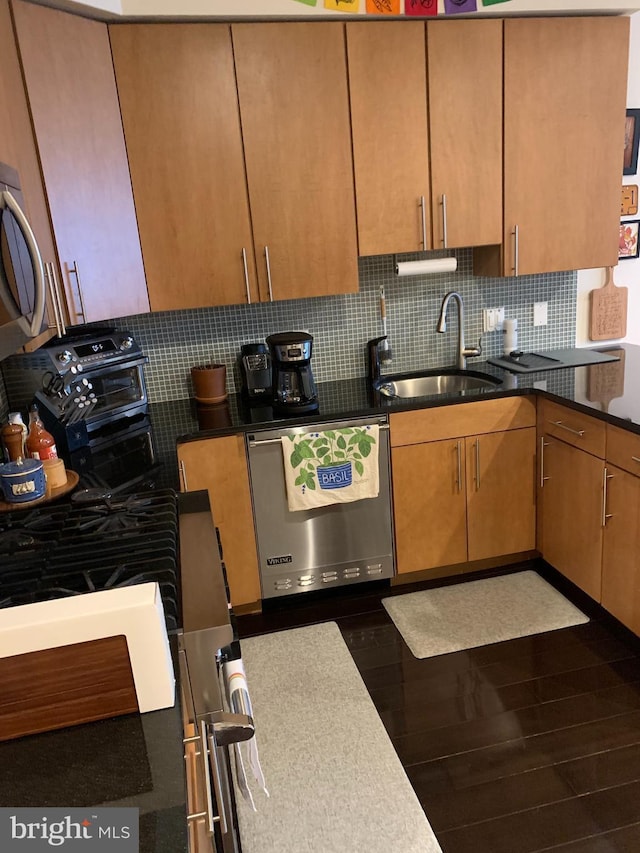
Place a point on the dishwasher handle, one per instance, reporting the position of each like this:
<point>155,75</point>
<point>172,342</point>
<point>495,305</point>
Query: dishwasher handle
<point>259,442</point>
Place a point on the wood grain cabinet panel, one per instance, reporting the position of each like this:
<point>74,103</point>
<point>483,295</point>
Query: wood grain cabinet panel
<point>220,466</point>
<point>68,71</point>
<point>179,103</point>
<point>501,493</point>
<point>564,116</point>
<point>388,89</point>
<point>294,109</point>
<point>623,449</point>
<point>465,131</point>
<point>429,505</point>
<point>621,548</point>
<point>571,498</point>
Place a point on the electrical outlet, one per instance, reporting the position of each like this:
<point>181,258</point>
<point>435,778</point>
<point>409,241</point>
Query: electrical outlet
<point>492,319</point>
<point>539,313</point>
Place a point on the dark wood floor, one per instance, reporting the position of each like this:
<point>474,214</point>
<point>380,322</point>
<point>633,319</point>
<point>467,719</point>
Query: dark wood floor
<point>527,745</point>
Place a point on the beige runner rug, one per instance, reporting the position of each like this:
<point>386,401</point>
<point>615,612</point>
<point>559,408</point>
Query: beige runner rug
<point>335,782</point>
<point>476,613</point>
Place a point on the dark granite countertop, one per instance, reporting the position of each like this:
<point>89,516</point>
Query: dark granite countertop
<point>610,391</point>
<point>135,761</point>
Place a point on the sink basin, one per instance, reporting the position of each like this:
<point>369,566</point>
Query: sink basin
<point>426,384</point>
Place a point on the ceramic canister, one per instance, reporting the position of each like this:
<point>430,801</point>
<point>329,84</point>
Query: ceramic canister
<point>22,481</point>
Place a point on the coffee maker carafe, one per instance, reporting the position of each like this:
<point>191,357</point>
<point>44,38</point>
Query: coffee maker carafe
<point>294,390</point>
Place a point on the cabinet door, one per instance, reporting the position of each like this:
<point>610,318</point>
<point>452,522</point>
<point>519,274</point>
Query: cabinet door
<point>179,105</point>
<point>68,71</point>
<point>572,514</point>
<point>429,505</point>
<point>501,505</point>
<point>388,89</point>
<point>564,113</point>
<point>465,128</point>
<point>621,548</point>
<point>18,149</point>
<point>220,466</point>
<point>294,108</point>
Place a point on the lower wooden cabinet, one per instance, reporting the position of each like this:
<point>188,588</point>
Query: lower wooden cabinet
<point>621,548</point>
<point>219,465</point>
<point>571,505</point>
<point>468,497</point>
<point>621,545</point>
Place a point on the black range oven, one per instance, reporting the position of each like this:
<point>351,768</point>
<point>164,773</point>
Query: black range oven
<point>91,393</point>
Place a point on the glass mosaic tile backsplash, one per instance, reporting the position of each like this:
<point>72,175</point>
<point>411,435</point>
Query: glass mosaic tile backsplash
<point>342,325</point>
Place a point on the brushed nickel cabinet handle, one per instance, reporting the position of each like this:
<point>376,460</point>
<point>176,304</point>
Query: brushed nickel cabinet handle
<point>477,464</point>
<point>183,472</point>
<point>423,214</point>
<point>246,274</point>
<point>542,447</point>
<point>516,250</point>
<point>444,222</point>
<point>459,465</point>
<point>578,432</point>
<point>52,296</point>
<point>266,258</point>
<point>75,271</point>
<point>635,459</point>
<point>605,476</point>
<point>58,296</point>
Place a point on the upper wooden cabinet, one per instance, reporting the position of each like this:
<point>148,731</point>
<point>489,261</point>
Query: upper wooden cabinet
<point>564,115</point>
<point>294,109</point>
<point>394,69</point>
<point>67,67</point>
<point>465,126</point>
<point>18,149</point>
<point>181,119</point>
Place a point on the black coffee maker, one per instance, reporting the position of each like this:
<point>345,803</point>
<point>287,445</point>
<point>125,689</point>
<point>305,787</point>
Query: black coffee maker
<point>294,391</point>
<point>255,372</point>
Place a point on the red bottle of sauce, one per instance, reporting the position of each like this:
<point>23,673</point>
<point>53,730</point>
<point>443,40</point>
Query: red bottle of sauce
<point>40,443</point>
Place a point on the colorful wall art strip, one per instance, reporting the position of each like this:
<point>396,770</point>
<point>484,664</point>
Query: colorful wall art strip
<point>453,7</point>
<point>493,2</point>
<point>342,5</point>
<point>421,7</point>
<point>383,7</point>
<point>307,2</point>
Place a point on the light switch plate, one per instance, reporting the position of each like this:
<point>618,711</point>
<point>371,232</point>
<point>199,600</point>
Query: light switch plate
<point>539,313</point>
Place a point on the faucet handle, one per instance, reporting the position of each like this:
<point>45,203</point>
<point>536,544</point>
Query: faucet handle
<point>472,352</point>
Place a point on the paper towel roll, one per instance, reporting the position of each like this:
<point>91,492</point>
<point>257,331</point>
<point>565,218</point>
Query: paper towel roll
<point>510,332</point>
<point>428,267</point>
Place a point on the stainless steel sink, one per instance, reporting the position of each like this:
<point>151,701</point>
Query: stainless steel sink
<point>426,384</point>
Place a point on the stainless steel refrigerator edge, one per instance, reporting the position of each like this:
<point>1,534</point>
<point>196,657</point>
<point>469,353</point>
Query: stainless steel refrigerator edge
<point>318,548</point>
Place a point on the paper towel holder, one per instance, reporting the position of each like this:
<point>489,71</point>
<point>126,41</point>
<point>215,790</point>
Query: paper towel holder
<point>428,266</point>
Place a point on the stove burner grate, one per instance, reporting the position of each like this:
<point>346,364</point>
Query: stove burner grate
<point>72,549</point>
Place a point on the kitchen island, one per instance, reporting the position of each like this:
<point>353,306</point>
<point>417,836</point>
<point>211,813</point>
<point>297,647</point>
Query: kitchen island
<point>134,761</point>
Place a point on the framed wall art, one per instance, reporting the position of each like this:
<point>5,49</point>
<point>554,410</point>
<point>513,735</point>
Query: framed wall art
<point>631,138</point>
<point>628,245</point>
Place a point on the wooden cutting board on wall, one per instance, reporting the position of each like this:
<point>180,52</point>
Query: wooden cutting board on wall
<point>608,311</point>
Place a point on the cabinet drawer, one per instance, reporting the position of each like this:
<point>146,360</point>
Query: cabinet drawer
<point>623,449</point>
<point>456,421</point>
<point>574,428</point>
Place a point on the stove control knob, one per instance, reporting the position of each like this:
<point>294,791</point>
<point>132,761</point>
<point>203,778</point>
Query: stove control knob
<point>126,343</point>
<point>64,357</point>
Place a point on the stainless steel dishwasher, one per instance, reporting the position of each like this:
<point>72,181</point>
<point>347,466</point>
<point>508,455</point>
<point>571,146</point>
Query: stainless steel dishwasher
<point>322,547</point>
